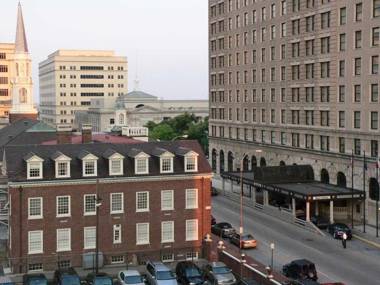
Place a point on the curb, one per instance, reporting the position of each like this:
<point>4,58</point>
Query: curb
<point>375,244</point>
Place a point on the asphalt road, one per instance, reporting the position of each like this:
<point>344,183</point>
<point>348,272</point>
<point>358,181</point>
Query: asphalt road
<point>358,264</point>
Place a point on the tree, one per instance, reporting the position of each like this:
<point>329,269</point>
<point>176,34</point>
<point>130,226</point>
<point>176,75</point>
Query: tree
<point>162,132</point>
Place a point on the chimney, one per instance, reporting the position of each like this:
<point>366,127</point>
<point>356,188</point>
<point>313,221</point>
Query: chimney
<point>86,133</point>
<point>64,134</point>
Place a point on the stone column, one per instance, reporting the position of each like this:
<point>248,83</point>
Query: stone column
<point>331,211</point>
<point>308,211</point>
<point>265,198</point>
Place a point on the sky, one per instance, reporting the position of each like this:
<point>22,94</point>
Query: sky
<point>165,40</point>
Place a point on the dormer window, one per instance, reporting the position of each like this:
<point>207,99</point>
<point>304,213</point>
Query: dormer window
<point>141,165</point>
<point>62,165</point>
<point>191,162</point>
<point>166,164</point>
<point>34,166</point>
<point>115,162</point>
<point>89,164</point>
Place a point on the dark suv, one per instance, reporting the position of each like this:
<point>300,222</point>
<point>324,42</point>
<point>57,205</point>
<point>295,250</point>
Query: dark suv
<point>34,279</point>
<point>98,279</point>
<point>301,269</point>
<point>67,276</point>
<point>188,273</point>
<point>223,229</point>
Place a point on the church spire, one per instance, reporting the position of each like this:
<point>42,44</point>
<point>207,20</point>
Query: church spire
<point>21,43</point>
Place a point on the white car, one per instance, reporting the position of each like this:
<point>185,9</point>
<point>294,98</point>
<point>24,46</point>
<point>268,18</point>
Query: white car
<point>130,277</point>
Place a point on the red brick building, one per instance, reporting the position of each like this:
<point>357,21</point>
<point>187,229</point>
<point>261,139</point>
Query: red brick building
<point>153,202</point>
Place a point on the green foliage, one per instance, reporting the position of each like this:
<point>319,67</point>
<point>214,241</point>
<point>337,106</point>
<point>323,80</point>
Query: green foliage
<point>185,125</point>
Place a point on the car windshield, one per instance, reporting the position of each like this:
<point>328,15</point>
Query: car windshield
<point>225,226</point>
<point>192,272</point>
<point>342,227</point>
<point>103,281</point>
<point>165,275</point>
<point>247,237</point>
<point>37,281</point>
<point>133,279</point>
<point>70,280</point>
<point>221,270</point>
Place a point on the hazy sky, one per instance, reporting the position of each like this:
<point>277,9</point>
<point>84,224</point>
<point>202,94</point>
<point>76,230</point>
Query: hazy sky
<point>165,39</point>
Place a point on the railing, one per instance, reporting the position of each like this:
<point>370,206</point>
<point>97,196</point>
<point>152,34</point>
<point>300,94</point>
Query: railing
<point>135,131</point>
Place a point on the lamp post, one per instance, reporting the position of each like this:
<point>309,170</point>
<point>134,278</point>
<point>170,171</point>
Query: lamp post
<point>272,251</point>
<point>242,261</point>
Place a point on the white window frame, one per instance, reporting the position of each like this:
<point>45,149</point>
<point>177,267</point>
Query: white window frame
<point>194,206</point>
<point>112,202</point>
<point>69,206</point>
<point>41,240</point>
<point>57,175</point>
<point>147,198</point>
<point>162,164</point>
<point>117,228</point>
<point>85,237</point>
<point>37,160</point>
<point>163,208</point>
<point>85,161</point>
<point>146,171</point>
<point>68,248</point>
<point>35,217</point>
<point>171,224</point>
<point>195,237</point>
<point>89,213</point>
<point>192,156</point>
<point>139,242</point>
<point>114,158</point>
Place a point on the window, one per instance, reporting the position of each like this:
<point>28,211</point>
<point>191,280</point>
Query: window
<point>116,166</point>
<point>325,143</point>
<point>192,255</point>
<point>166,164</point>
<point>117,259</point>
<point>141,165</point>
<point>167,257</point>
<point>89,202</point>
<point>90,168</point>
<point>35,267</point>
<point>341,119</point>
<point>357,147</point>
<point>357,93</point>
<point>358,12</point>
<point>142,233</point>
<point>142,201</point>
<point>62,169</point>
<point>191,163</point>
<point>376,8</point>
<point>342,145</point>
<point>89,237</point>
<point>167,200</point>
<point>191,230</point>
<point>343,16</point>
<point>358,39</point>
<point>116,234</point>
<point>35,242</point>
<point>63,206</point>
<point>35,170</point>
<point>342,42</point>
<point>357,119</point>
<point>374,148</point>
<point>375,36</point>
<point>167,231</point>
<point>374,120</point>
<point>375,64</point>
<point>374,93</point>
<point>191,198</point>
<point>358,66</point>
<point>325,20</point>
<point>117,203</point>
<point>342,68</point>
<point>63,240</point>
<point>35,208</point>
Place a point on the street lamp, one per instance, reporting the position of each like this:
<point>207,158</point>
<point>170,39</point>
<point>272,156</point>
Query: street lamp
<point>272,250</point>
<point>242,261</point>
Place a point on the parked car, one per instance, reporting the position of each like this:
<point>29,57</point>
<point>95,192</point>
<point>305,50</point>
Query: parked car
<point>301,269</point>
<point>98,279</point>
<point>338,229</point>
<point>213,220</point>
<point>217,273</point>
<point>130,277</point>
<point>67,276</point>
<point>246,241</point>
<point>6,280</point>
<point>223,229</point>
<point>320,222</point>
<point>188,273</point>
<point>159,274</point>
<point>34,279</point>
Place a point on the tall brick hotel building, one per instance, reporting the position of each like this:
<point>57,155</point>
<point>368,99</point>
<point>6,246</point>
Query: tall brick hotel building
<point>153,202</point>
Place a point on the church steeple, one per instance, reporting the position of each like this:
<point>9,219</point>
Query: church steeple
<point>21,43</point>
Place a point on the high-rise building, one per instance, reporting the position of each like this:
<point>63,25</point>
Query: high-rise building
<point>69,79</point>
<point>298,81</point>
<point>16,85</point>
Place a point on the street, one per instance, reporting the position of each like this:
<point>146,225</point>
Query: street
<point>358,264</point>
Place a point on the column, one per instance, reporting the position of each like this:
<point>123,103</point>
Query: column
<point>308,211</point>
<point>266,200</point>
<point>224,186</point>
<point>331,211</point>
<point>316,208</point>
<point>294,207</point>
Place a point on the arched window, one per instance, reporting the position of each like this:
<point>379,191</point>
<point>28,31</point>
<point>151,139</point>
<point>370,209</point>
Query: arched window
<point>245,163</point>
<point>23,95</point>
<point>373,189</point>
<point>325,178</point>
<point>282,163</point>
<point>221,158</point>
<point>341,179</point>
<point>253,161</point>
<point>121,119</point>
<point>230,162</point>
<point>213,160</point>
<point>263,162</point>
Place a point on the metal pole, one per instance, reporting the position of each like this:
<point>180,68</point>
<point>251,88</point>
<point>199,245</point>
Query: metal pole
<point>271,263</point>
<point>352,188</point>
<point>97,230</point>
<point>364,169</point>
